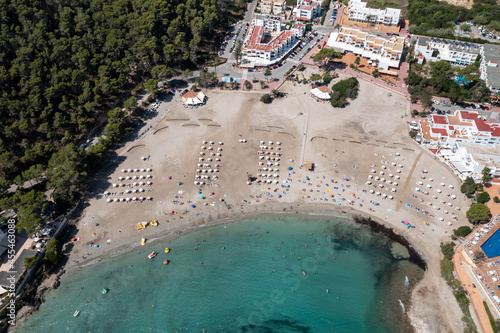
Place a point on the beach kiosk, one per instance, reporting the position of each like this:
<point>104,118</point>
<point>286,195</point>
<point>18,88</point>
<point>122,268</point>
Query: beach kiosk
<point>193,98</point>
<point>309,166</point>
<point>321,93</point>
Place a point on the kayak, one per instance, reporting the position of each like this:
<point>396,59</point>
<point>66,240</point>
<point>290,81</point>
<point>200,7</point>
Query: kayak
<point>76,313</point>
<point>152,255</point>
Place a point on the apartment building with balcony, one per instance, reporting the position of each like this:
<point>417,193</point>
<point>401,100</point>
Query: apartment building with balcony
<point>386,51</point>
<point>266,43</point>
<point>462,126</point>
<point>307,10</point>
<point>455,52</point>
<point>358,12</point>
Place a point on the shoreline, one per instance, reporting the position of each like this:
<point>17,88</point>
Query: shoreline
<point>307,211</point>
<point>374,223</point>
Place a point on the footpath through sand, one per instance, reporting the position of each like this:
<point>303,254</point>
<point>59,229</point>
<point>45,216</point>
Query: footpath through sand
<point>475,297</point>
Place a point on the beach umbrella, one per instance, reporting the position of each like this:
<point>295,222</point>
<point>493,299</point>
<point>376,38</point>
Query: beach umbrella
<point>134,190</point>
<point>398,171</point>
<point>149,183</point>
<point>372,191</point>
<point>397,177</point>
<point>141,177</point>
<point>438,191</point>
<point>135,178</point>
<point>381,173</point>
<point>384,167</point>
<point>134,184</point>
<point>417,189</point>
<point>108,200</point>
<point>128,178</point>
<point>149,176</point>
<point>123,170</point>
<point>134,199</point>
<point>391,175</point>
<point>122,199</point>
<point>377,193</point>
<point>120,178</point>
<point>453,196</point>
<point>116,199</point>
<point>393,190</point>
<point>114,185</point>
<point>420,183</point>
<point>451,186</point>
<point>382,180</point>
<point>381,185</point>
<point>395,184</point>
<point>136,170</point>
<point>142,169</point>
<point>127,199</point>
<point>391,197</point>
<point>370,177</point>
<point>143,158</point>
<point>374,171</point>
<point>368,183</point>
<point>141,190</point>
<point>141,183</point>
<point>129,170</point>
<point>377,178</point>
<point>429,186</point>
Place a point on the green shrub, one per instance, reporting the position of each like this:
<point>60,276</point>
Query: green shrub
<point>266,99</point>
<point>496,199</point>
<point>448,250</point>
<point>462,231</point>
<point>483,197</point>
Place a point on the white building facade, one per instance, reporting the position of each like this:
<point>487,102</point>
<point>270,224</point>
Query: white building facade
<point>387,51</point>
<point>307,10</point>
<point>435,49</point>
<point>266,43</point>
<point>358,12</point>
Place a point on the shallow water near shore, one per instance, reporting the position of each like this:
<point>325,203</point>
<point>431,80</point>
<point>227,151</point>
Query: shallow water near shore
<point>266,275</point>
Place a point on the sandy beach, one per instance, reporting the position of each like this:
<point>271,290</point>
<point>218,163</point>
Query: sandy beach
<point>356,150</point>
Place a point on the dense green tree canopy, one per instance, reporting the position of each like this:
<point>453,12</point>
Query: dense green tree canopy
<point>343,90</point>
<point>62,62</point>
<point>65,64</point>
<point>478,213</point>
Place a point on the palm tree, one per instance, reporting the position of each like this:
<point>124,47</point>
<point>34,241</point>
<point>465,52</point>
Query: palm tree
<point>267,73</point>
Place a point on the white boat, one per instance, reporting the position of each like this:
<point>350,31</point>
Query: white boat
<point>76,313</point>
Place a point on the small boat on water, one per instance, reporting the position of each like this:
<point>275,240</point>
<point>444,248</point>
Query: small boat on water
<point>167,250</point>
<point>165,261</point>
<point>104,291</point>
<point>76,313</point>
<point>304,273</point>
<point>143,241</point>
<point>152,255</point>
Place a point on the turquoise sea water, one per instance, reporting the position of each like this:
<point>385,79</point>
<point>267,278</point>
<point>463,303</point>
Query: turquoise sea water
<point>247,276</point>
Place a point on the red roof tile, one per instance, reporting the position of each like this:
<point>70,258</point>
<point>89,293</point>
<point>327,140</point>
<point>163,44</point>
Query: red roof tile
<point>439,119</point>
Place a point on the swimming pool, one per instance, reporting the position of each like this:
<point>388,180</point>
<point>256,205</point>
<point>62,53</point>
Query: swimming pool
<point>492,246</point>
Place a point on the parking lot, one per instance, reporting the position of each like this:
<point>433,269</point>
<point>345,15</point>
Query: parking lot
<point>443,107</point>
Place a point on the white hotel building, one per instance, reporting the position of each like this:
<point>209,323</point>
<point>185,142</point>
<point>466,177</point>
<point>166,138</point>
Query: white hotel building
<point>462,126</point>
<point>265,43</point>
<point>435,49</point>
<point>387,51</point>
<point>358,12</point>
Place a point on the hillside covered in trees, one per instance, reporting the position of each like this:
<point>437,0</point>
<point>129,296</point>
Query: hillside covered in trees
<point>64,64</point>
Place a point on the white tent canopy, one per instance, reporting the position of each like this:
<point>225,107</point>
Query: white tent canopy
<point>320,94</point>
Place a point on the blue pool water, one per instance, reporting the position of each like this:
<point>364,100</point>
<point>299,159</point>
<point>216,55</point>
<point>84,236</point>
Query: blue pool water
<point>492,246</point>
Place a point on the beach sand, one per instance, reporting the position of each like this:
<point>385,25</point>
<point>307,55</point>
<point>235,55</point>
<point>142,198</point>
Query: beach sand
<point>345,144</point>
